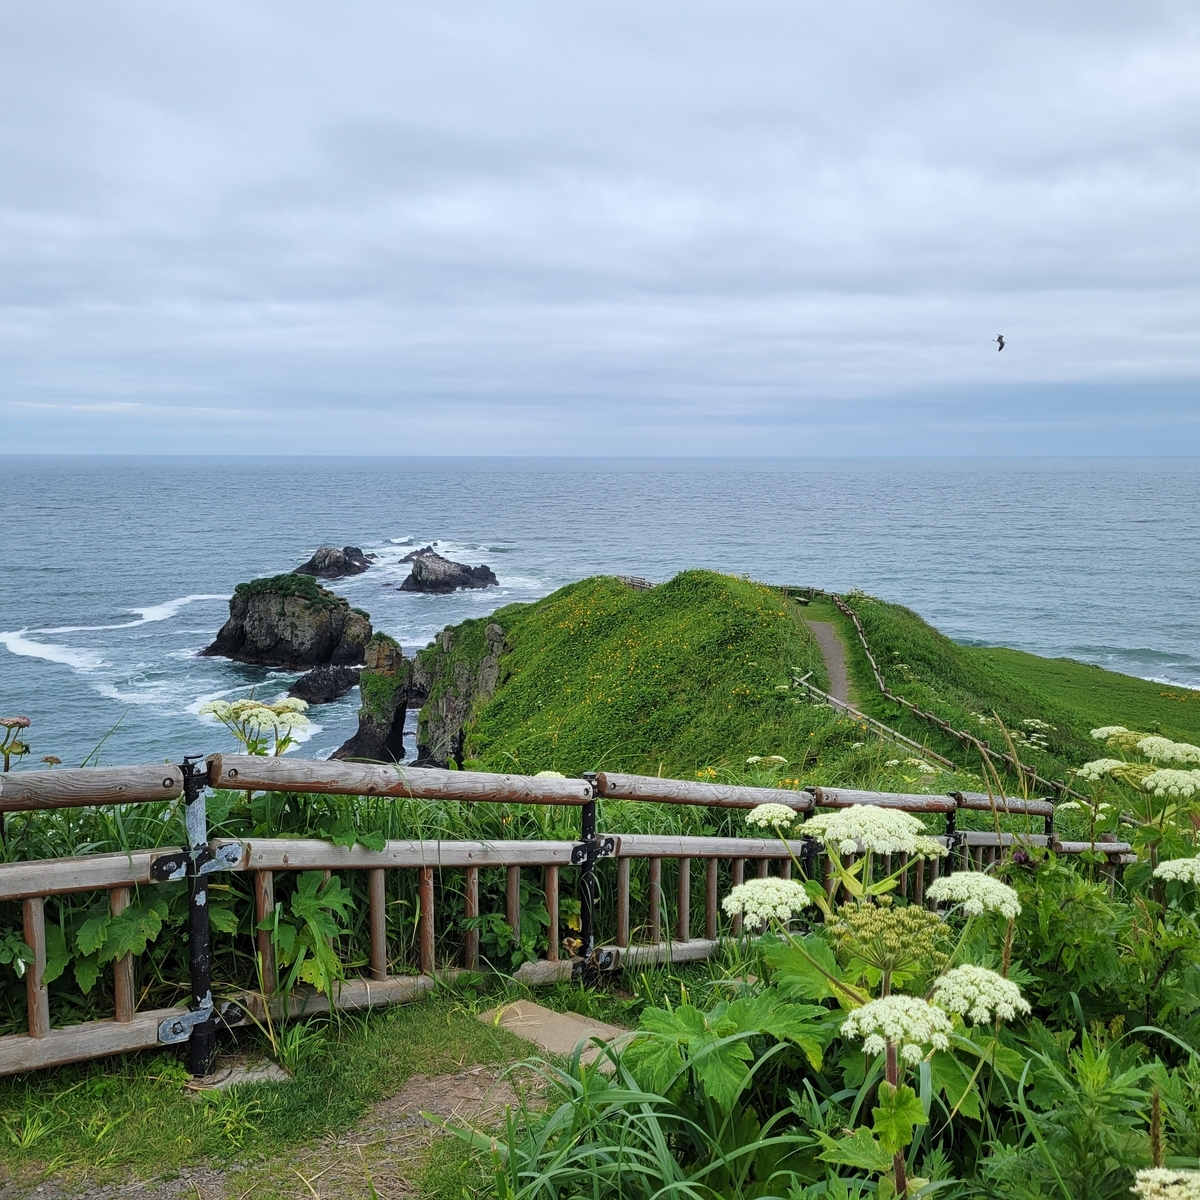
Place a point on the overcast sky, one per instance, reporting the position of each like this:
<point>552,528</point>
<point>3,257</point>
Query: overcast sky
<point>740,227</point>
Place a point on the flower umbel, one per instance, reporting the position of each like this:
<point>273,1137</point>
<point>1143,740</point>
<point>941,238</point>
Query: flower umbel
<point>772,816</point>
<point>980,994</point>
<point>764,900</point>
<point>864,827</point>
<point>1163,1183</point>
<point>1167,781</point>
<point>976,892</point>
<point>1161,749</point>
<point>908,1022</point>
<point>1186,870</point>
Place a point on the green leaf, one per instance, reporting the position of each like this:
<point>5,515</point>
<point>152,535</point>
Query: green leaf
<point>951,1076</point>
<point>222,918</point>
<point>860,1150</point>
<point>87,971</point>
<point>93,933</point>
<point>130,931</point>
<point>796,975</point>
<point>57,954</point>
<point>899,1111</point>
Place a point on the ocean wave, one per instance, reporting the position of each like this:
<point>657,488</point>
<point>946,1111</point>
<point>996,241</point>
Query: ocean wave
<point>146,616</point>
<point>81,660</point>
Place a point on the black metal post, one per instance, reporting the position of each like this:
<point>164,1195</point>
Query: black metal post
<point>202,1045</point>
<point>587,884</point>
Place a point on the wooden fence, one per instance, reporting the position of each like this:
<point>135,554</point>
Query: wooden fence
<point>716,859</point>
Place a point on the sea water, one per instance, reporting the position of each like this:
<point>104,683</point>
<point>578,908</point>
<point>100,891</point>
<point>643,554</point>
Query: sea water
<point>114,573</point>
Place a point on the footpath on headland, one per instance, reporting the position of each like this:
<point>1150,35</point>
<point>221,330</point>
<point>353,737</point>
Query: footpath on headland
<point>834,653</point>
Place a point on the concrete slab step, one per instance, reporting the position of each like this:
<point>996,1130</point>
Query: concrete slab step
<point>552,1032</point>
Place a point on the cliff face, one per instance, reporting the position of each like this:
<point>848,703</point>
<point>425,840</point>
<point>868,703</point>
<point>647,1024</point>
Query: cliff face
<point>291,621</point>
<point>453,677</point>
<point>384,684</point>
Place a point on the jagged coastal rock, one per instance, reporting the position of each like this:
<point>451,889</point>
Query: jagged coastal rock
<point>385,686</point>
<point>331,563</point>
<point>433,573</point>
<point>322,685</point>
<point>291,621</point>
<point>452,686</point>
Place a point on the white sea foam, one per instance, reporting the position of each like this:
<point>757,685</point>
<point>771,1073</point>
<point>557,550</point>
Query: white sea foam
<point>146,616</point>
<point>81,660</point>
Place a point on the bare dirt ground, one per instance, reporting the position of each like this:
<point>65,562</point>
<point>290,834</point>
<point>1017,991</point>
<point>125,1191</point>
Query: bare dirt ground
<point>834,654</point>
<point>386,1151</point>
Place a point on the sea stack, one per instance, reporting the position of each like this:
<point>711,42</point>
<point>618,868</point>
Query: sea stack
<point>291,621</point>
<point>384,685</point>
<point>328,562</point>
<point>433,573</point>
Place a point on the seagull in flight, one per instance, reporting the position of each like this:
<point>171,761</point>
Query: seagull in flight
<point>999,338</point>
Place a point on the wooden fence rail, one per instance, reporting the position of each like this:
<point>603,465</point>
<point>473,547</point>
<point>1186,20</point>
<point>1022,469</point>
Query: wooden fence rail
<point>697,865</point>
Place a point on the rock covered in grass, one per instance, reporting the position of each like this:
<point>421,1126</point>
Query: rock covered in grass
<point>435,574</point>
<point>291,621</point>
<point>385,687</point>
<point>323,685</point>
<point>328,562</point>
<point>453,681</point>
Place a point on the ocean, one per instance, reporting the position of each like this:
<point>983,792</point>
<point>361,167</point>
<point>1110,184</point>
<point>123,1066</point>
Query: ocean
<point>114,572</point>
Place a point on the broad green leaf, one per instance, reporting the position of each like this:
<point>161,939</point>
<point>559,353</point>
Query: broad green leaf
<point>796,975</point>
<point>87,971</point>
<point>951,1076</point>
<point>899,1111</point>
<point>860,1150</point>
<point>93,933</point>
<point>57,954</point>
<point>721,1069</point>
<point>222,918</point>
<point>130,931</point>
<point>655,1061</point>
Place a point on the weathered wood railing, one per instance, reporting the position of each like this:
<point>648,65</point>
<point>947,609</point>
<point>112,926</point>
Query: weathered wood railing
<point>31,883</point>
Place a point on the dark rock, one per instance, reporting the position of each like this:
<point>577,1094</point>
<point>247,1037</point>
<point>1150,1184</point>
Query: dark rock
<point>291,621</point>
<point>453,682</point>
<point>331,563</point>
<point>384,684</point>
<point>412,554</point>
<point>433,573</point>
<point>322,685</point>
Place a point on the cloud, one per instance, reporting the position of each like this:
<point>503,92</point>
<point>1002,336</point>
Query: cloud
<point>670,227</point>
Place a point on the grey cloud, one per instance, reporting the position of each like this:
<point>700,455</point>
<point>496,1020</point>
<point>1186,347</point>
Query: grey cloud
<point>693,221</point>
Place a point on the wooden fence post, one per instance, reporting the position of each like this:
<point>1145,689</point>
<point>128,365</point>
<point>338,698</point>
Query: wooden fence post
<point>125,999</point>
<point>377,900</point>
<point>34,912</point>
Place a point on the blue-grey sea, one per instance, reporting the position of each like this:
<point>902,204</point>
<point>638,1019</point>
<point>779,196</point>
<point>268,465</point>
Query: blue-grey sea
<point>114,572</point>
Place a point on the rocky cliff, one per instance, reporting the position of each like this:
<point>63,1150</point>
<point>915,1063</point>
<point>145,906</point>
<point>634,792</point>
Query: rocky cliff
<point>291,621</point>
<point>433,573</point>
<point>384,683</point>
<point>454,675</point>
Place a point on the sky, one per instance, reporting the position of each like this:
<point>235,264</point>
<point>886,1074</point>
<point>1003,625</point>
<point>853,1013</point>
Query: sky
<point>779,228</point>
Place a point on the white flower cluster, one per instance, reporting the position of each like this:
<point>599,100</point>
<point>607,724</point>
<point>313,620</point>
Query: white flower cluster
<point>771,758</point>
<point>976,892</point>
<point>1099,810</point>
<point>875,830</point>
<point>1161,749</point>
<point>908,1022</point>
<point>764,900</point>
<point>283,714</point>
<point>1165,1183</point>
<point>1106,731</point>
<point>1034,723</point>
<point>1093,771</point>
<point>1187,870</point>
<point>772,816</point>
<point>978,993</point>
<point>924,767</point>
<point>1168,782</point>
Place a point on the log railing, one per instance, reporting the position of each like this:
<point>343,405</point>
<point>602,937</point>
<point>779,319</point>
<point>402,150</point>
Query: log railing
<point>701,867</point>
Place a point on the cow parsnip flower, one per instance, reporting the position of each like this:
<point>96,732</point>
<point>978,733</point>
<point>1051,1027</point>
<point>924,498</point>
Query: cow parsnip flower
<point>907,1022</point>
<point>765,900</point>
<point>1165,1183</point>
<point>873,830</point>
<point>1099,768</point>
<point>1186,870</point>
<point>1167,781</point>
<point>979,994</point>
<point>1161,749</point>
<point>771,816</point>
<point>1106,731</point>
<point>977,893</point>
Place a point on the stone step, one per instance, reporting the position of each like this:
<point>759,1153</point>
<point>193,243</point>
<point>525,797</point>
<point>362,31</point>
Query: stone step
<point>552,1032</point>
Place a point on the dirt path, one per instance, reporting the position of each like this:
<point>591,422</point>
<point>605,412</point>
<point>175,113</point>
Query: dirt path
<point>834,654</point>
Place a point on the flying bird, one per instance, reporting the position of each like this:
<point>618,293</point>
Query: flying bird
<point>999,338</point>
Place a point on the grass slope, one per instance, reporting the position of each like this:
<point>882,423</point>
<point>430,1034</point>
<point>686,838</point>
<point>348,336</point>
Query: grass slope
<point>600,676</point>
<point>971,687</point>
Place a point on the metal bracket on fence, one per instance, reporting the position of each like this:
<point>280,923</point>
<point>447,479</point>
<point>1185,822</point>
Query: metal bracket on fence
<point>179,1029</point>
<point>956,841</point>
<point>167,868</point>
<point>586,853</point>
